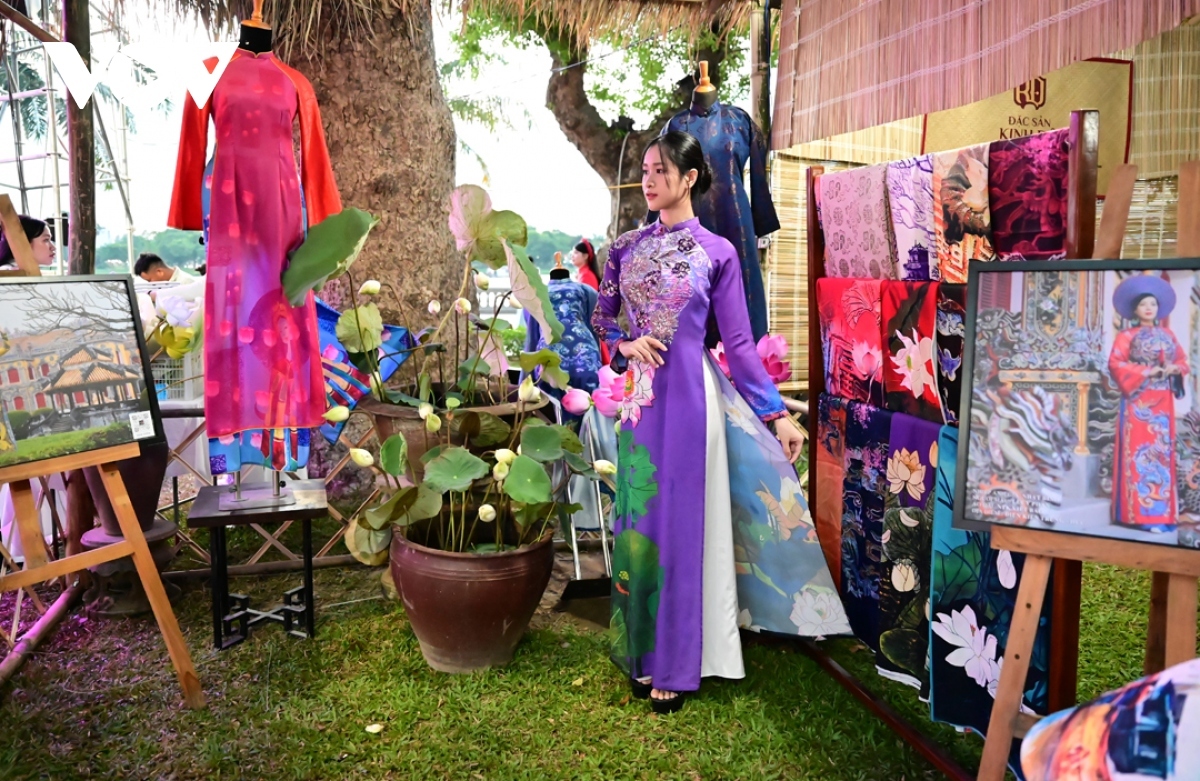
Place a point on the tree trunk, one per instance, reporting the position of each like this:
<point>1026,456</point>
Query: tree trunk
<point>391,141</point>
<point>81,149</point>
<point>613,150</point>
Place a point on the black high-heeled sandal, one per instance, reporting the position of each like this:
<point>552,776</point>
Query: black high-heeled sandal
<point>640,690</point>
<point>669,705</point>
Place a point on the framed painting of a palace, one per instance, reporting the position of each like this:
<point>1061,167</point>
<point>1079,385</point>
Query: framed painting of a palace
<point>74,374</point>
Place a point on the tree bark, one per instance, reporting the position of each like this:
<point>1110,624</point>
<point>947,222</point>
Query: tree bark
<point>391,142</point>
<point>81,149</point>
<point>614,149</point>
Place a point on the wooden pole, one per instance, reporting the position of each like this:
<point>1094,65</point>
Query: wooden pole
<point>760,67</point>
<point>81,148</point>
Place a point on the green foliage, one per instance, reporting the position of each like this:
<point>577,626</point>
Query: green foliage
<point>542,245</point>
<point>514,342</point>
<point>393,455</point>
<point>180,249</point>
<point>328,251</point>
<point>19,420</point>
<point>527,481</point>
<point>454,470</point>
<point>361,329</point>
<point>636,79</point>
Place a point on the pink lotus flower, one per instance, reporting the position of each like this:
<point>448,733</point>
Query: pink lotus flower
<point>718,354</point>
<point>772,351</point>
<point>634,390</point>
<point>868,361</point>
<point>603,397</point>
<point>577,401</point>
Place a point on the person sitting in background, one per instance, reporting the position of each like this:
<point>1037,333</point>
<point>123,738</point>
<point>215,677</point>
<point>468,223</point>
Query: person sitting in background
<point>152,268</point>
<point>41,241</point>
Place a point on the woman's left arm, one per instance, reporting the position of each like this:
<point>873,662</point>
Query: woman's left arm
<point>733,320</point>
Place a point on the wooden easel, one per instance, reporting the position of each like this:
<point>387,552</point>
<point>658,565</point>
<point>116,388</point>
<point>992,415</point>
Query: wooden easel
<point>1171,630</point>
<point>38,568</point>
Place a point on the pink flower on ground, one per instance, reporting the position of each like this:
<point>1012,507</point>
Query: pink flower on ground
<point>773,350</point>
<point>576,401</point>
<point>718,354</point>
<point>603,397</point>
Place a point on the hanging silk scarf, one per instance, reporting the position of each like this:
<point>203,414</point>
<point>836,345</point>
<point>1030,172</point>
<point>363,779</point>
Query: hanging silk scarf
<point>961,217</point>
<point>951,317</point>
<point>1027,194</point>
<point>850,312</point>
<point>972,596</point>
<point>910,205</point>
<point>1144,730</point>
<point>867,431</point>
<point>830,476</point>
<point>909,327</point>
<point>858,238</point>
<point>907,536</point>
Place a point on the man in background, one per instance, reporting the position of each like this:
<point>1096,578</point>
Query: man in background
<point>152,268</point>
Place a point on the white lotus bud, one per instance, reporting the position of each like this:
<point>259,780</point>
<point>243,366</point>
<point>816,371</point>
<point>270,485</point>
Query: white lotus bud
<point>369,288</point>
<point>361,457</point>
<point>487,513</point>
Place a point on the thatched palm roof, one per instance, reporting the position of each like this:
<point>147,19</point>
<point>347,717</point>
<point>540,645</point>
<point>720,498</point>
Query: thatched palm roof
<point>305,23</point>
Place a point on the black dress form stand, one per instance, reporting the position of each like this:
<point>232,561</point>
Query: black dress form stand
<point>256,38</point>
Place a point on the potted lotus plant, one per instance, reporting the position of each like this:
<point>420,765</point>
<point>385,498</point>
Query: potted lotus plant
<point>470,472</point>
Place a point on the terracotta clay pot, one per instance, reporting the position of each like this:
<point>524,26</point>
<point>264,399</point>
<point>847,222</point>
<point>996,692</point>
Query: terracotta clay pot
<point>469,610</point>
<point>143,477</point>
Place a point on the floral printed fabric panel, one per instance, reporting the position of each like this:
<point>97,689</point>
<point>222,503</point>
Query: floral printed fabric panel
<point>907,537</point>
<point>854,218</point>
<point>910,205</point>
<point>973,592</point>
<point>868,430</point>
<point>1027,194</point>
<point>1145,730</point>
<point>784,584</point>
<point>910,325</point>
<point>851,317</point>
<point>961,215</point>
<point>830,465</point>
<point>951,338</point>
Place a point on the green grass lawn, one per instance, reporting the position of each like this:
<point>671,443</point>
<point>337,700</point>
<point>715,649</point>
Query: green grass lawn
<point>100,701</point>
<point>67,442</point>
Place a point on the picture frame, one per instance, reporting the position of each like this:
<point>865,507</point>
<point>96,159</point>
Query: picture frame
<point>1080,407</point>
<point>74,370</point>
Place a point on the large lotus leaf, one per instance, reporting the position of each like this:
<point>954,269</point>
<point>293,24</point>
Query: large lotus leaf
<point>542,444</point>
<point>492,430</point>
<point>527,481</point>
<point>580,465</point>
<point>454,470</point>
<point>550,362</point>
<point>370,546</point>
<point>428,503</point>
<point>497,227</point>
<point>393,455</point>
<point>956,574</point>
<point>570,440</point>
<point>469,204</point>
<point>531,292</point>
<point>360,329</point>
<point>328,251</point>
<point>907,649</point>
<point>380,516</point>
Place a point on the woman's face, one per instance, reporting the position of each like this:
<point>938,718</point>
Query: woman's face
<point>662,183</point>
<point>578,259</point>
<point>43,248</point>
<point>1147,309</point>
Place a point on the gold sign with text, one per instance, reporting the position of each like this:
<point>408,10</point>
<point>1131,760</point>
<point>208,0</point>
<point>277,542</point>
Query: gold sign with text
<point>1043,104</point>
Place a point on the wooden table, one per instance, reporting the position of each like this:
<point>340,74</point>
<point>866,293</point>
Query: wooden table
<point>232,616</point>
